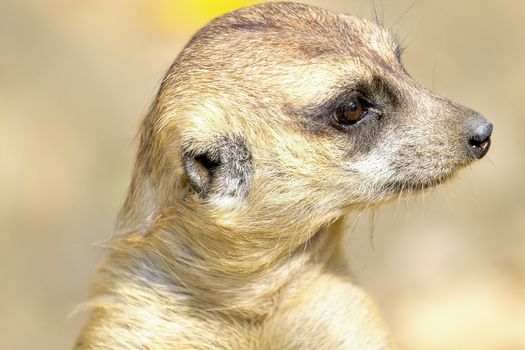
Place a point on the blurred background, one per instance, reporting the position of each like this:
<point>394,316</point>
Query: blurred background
<point>447,268</point>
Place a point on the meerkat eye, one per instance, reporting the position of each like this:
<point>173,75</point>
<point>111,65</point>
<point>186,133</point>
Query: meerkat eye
<point>351,112</point>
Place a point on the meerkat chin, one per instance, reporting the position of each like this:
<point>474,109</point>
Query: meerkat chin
<point>272,124</point>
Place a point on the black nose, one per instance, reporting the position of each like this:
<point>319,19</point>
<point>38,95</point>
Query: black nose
<point>479,141</point>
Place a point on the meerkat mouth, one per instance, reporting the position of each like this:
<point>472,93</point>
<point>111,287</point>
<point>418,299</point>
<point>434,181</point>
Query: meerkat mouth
<point>399,187</point>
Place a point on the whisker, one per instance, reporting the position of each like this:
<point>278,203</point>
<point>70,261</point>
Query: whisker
<point>404,13</point>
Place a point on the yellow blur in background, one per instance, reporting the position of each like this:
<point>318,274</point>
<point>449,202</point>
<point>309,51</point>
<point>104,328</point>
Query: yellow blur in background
<point>189,14</point>
<point>447,269</point>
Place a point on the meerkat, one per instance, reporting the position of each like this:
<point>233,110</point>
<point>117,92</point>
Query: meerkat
<point>273,123</point>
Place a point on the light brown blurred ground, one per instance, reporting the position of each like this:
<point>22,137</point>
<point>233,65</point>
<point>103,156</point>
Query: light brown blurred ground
<point>75,77</point>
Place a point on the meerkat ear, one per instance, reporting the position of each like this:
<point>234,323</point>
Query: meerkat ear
<point>223,168</point>
<point>200,168</point>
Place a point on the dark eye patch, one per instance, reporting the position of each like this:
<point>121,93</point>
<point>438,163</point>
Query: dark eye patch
<point>374,95</point>
<point>319,118</point>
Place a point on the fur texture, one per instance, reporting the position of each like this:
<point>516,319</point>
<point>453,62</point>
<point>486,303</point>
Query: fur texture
<point>230,234</point>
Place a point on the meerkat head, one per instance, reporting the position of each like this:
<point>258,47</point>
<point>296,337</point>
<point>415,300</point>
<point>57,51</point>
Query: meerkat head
<point>284,117</point>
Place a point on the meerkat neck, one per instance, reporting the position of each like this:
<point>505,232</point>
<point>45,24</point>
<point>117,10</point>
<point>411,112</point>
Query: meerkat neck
<point>210,276</point>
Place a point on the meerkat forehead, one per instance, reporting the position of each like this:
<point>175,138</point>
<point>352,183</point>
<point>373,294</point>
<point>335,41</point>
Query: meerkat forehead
<point>295,50</point>
<point>306,31</point>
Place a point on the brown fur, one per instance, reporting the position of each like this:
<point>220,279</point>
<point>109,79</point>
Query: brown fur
<point>230,235</point>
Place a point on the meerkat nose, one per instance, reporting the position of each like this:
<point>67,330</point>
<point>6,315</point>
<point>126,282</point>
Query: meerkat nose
<point>479,140</point>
